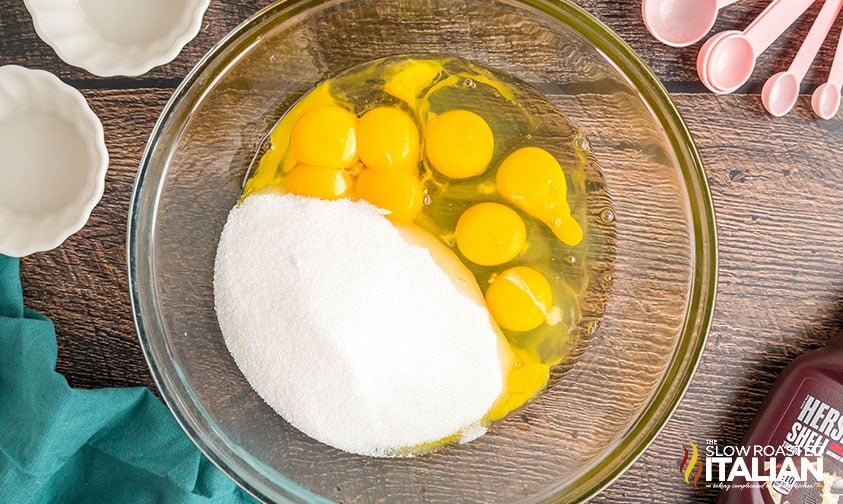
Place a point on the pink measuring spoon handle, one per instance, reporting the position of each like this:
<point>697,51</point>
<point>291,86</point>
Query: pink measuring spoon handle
<point>724,3</point>
<point>835,76</point>
<point>774,20</point>
<point>814,40</point>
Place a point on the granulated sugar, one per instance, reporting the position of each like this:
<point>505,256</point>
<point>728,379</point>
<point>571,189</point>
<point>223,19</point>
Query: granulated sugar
<point>351,330</point>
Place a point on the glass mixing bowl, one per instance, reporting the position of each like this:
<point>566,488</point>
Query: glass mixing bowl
<point>651,262</point>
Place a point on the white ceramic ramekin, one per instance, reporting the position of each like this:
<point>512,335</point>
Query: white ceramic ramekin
<point>53,161</point>
<point>117,37</point>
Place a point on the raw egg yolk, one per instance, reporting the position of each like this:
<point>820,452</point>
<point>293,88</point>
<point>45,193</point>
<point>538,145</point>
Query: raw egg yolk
<point>459,144</point>
<point>531,179</point>
<point>387,137</point>
<point>318,182</point>
<point>519,299</point>
<point>527,375</point>
<point>411,78</point>
<point>325,136</point>
<point>395,191</point>
<point>490,233</point>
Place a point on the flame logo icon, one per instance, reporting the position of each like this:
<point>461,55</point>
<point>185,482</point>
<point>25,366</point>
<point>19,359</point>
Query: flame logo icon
<point>689,463</point>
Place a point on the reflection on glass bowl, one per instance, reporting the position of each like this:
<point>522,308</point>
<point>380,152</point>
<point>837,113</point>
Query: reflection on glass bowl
<point>650,268</point>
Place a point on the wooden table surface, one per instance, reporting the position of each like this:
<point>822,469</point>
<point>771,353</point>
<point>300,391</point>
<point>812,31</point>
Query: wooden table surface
<point>777,185</point>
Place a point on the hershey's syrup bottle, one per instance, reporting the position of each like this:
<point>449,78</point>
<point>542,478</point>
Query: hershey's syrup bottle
<point>803,410</point>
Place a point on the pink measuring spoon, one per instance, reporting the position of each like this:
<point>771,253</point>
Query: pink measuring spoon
<point>782,89</point>
<point>703,55</point>
<point>727,59</point>
<point>826,99</point>
<point>680,23</point>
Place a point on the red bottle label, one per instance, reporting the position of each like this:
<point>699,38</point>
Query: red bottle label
<point>811,431</point>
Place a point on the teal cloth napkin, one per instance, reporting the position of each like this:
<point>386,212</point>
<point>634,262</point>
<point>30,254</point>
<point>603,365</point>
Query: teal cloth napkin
<point>59,444</point>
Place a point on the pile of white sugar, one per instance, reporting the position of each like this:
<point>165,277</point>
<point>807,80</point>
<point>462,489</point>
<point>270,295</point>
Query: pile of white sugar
<point>350,329</point>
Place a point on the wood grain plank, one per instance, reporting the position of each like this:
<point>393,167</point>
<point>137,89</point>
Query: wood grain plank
<point>21,45</point>
<point>82,285</point>
<point>676,67</point>
<point>780,285</point>
<point>776,183</point>
<point>781,278</point>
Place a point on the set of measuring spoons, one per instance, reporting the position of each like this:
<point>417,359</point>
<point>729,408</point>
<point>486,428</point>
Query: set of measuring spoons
<point>727,59</point>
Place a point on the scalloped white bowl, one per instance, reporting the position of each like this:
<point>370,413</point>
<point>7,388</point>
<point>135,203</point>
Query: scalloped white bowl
<point>117,37</point>
<point>53,161</point>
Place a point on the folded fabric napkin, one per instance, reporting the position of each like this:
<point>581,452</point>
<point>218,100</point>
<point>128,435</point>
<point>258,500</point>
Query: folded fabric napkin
<point>59,444</point>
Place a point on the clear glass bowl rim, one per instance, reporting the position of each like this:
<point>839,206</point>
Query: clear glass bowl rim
<point>195,421</point>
